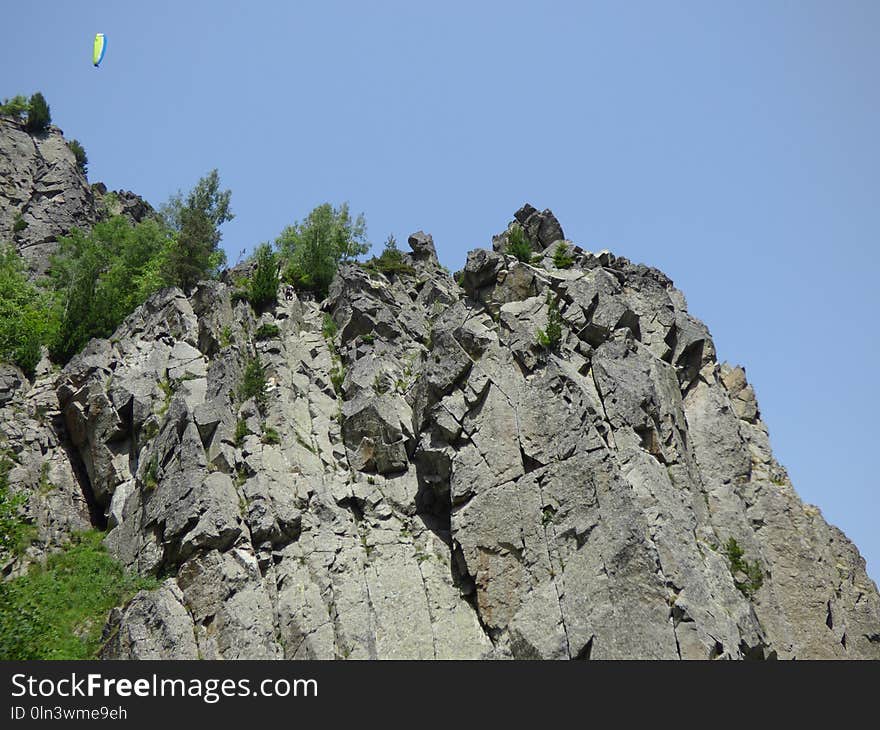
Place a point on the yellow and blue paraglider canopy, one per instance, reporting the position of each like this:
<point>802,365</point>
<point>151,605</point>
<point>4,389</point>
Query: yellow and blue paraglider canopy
<point>100,47</point>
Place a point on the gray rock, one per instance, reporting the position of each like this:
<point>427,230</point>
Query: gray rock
<point>154,625</point>
<point>462,493</point>
<point>42,186</point>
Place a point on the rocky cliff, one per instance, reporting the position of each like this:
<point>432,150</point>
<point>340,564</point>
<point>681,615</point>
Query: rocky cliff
<point>44,193</point>
<point>420,477</point>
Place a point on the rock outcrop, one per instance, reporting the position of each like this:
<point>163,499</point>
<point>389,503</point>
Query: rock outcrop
<point>422,479</point>
<point>44,194</point>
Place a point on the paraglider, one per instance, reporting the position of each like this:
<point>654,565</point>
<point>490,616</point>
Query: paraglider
<point>100,47</point>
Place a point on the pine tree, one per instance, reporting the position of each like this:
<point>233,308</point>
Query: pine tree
<point>38,118</point>
<point>263,288</point>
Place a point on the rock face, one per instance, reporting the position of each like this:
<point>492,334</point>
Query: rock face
<point>44,194</point>
<point>422,479</point>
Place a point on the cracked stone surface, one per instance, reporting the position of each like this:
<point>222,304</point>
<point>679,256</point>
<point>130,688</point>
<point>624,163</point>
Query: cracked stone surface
<point>43,190</point>
<point>461,492</point>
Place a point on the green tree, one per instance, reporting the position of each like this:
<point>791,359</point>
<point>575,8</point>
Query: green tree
<point>38,116</point>
<point>562,259</point>
<point>17,106</point>
<point>550,338</point>
<point>391,260</point>
<point>314,248</point>
<point>263,286</point>
<point>518,245</point>
<point>28,317</point>
<point>196,221</point>
<point>100,278</point>
<point>79,152</point>
<point>253,382</point>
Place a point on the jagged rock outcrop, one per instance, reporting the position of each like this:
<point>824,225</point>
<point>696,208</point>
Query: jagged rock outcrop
<point>43,463</point>
<point>44,194</point>
<point>428,481</point>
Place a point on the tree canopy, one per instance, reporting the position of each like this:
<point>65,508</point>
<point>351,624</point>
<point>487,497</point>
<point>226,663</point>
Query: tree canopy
<point>195,221</point>
<point>101,277</point>
<point>28,318</point>
<point>314,247</point>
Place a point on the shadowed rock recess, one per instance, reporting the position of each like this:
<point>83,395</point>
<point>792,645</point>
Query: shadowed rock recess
<point>462,492</point>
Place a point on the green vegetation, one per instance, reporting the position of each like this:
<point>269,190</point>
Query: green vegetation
<point>45,485</point>
<point>253,382</point>
<point>337,368</point>
<point>167,388</point>
<point>263,286</point>
<point>226,336</point>
<point>329,327</point>
<point>195,223</point>
<point>754,576</point>
<point>101,277</point>
<point>79,152</point>
<point>34,111</point>
<point>337,372</point>
<point>380,385</point>
<point>314,248</point>
<point>391,261</point>
<point>241,431</point>
<point>270,436</point>
<point>110,204</point>
<point>38,116</point>
<point>16,107</point>
<point>550,338</point>
<point>151,430</point>
<point>562,259</point>
<point>518,245</point>
<point>15,533</point>
<point>267,331</point>
<point>19,223</point>
<point>97,279</point>
<point>239,295</point>
<point>57,610</point>
<point>28,315</point>
<point>151,478</point>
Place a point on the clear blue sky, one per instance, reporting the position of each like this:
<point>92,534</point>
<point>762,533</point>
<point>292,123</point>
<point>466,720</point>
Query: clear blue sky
<point>733,145</point>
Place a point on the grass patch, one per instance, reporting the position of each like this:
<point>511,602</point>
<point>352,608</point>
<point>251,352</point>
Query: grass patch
<point>15,533</point>
<point>267,331</point>
<point>380,385</point>
<point>329,327</point>
<point>270,436</point>
<point>46,485</point>
<point>151,478</point>
<point>754,576</point>
<point>57,610</point>
<point>167,388</point>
